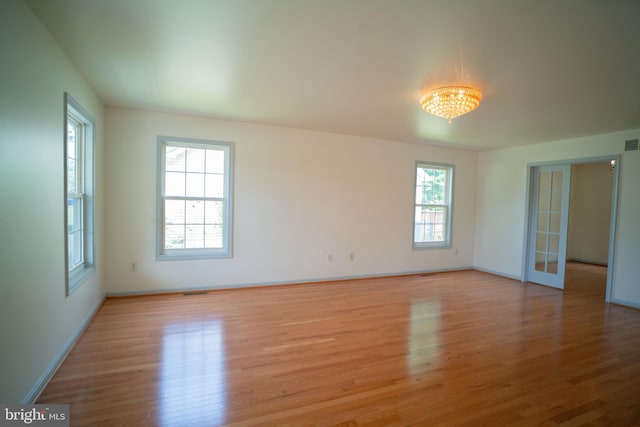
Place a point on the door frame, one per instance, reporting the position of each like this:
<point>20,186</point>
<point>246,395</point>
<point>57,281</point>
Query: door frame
<point>614,212</point>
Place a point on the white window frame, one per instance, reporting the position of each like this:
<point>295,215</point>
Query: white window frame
<point>447,206</point>
<point>77,273</point>
<point>163,253</point>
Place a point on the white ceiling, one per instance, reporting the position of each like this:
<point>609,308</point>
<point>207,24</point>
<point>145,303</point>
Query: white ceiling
<point>549,69</point>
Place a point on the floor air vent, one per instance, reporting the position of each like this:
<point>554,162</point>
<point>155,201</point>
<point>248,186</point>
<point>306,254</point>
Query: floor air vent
<point>631,145</point>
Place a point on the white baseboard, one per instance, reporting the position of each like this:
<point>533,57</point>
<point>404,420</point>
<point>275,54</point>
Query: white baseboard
<point>62,354</point>
<point>188,289</point>
<point>498,273</point>
<point>625,303</point>
<point>586,261</point>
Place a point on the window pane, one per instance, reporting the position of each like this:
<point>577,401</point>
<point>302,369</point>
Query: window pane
<point>215,161</point>
<point>213,212</point>
<point>175,158</point>
<point>74,214</point>
<point>195,212</point>
<point>174,184</point>
<point>75,249</point>
<point>214,185</point>
<point>70,216</point>
<point>431,187</point>
<point>174,236</point>
<point>71,139</point>
<point>195,159</point>
<point>71,176</point>
<point>195,184</point>
<point>194,237</point>
<point>75,234</point>
<point>174,212</point>
<point>213,237</point>
<point>430,224</point>
<point>421,186</point>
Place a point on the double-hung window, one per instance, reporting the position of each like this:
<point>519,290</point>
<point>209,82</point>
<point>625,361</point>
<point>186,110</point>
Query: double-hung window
<point>194,200</point>
<point>78,148</point>
<point>432,205</point>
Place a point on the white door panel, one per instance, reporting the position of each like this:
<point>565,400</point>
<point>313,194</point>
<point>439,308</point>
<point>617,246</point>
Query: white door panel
<point>549,216</point>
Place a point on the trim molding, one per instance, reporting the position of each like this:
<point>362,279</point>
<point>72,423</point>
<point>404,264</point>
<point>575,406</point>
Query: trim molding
<point>626,304</point>
<point>498,273</point>
<point>585,261</point>
<point>278,283</point>
<point>62,355</point>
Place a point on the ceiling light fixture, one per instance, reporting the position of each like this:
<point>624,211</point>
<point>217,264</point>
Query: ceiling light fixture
<point>450,102</point>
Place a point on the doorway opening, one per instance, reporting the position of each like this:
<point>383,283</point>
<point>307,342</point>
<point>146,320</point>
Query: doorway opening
<point>571,219</point>
<point>589,227</point>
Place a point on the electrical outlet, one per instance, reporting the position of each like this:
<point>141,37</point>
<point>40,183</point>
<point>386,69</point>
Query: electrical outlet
<point>329,257</point>
<point>352,256</point>
<point>133,267</point>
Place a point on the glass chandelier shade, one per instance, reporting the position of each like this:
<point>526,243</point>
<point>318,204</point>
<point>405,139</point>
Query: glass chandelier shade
<point>450,102</point>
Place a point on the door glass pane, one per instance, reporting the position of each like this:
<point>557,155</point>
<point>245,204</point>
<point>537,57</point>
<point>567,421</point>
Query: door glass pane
<point>545,181</point>
<point>540,257</point>
<point>554,243</point>
<point>543,201</point>
<point>556,201</point>
<point>554,223</point>
<point>557,181</point>
<point>543,220</point>
<point>552,264</point>
<point>541,242</point>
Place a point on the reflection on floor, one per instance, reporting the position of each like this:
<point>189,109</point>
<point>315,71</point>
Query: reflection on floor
<point>192,374</point>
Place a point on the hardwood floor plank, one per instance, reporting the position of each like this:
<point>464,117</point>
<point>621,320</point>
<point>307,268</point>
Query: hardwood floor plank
<point>460,348</point>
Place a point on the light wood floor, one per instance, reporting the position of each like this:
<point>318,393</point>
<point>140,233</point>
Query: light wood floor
<point>461,348</point>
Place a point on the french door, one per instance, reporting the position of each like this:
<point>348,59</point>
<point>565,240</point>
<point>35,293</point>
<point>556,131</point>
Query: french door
<point>549,216</point>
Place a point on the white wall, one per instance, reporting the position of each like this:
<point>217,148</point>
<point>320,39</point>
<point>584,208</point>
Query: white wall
<point>37,320</point>
<point>590,213</point>
<point>500,206</point>
<point>298,196</point>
